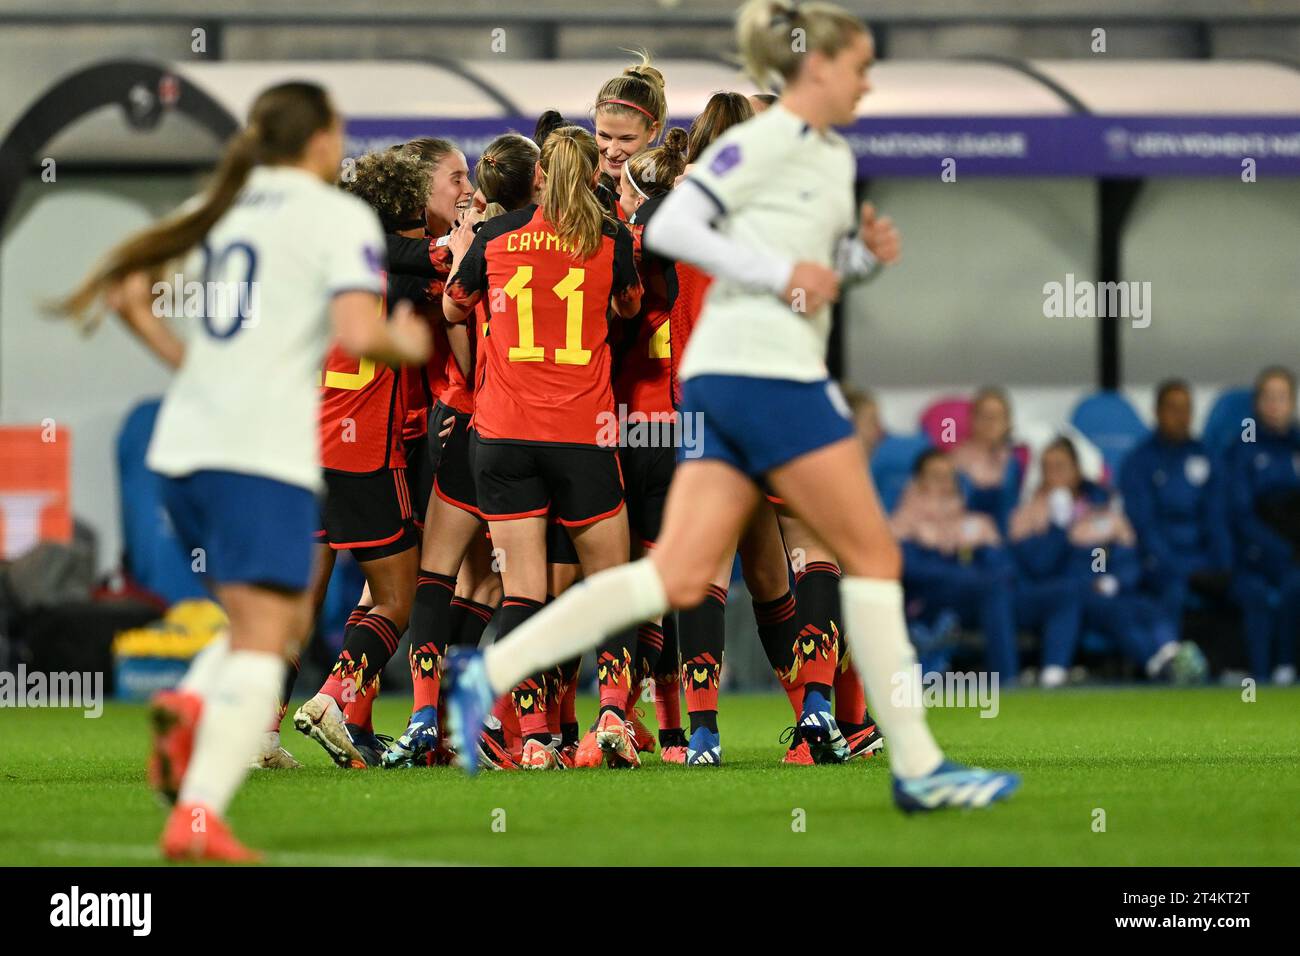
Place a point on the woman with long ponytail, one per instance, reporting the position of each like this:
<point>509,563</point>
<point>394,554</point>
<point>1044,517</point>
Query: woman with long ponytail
<point>544,430</point>
<point>457,589</point>
<point>236,442</point>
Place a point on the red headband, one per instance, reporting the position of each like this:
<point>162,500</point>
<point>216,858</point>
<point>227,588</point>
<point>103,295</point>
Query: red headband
<point>639,109</point>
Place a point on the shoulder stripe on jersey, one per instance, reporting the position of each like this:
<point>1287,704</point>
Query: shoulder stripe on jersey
<point>722,209</point>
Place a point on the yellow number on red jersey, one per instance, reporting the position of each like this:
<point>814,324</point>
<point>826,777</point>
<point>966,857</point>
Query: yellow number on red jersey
<point>569,291</point>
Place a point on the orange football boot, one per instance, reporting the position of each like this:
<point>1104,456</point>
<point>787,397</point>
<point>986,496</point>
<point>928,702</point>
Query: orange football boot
<point>588,753</point>
<point>614,738</point>
<point>644,741</point>
<point>194,832</point>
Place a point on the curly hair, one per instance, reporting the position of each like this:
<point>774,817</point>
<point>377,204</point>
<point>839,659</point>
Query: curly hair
<point>395,184</point>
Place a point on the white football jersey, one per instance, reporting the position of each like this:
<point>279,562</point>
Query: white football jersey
<point>257,294</point>
<point>781,186</point>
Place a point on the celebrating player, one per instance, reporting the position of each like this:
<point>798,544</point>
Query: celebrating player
<point>368,506</point>
<point>508,174</point>
<point>630,114</point>
<point>237,437</point>
<point>781,247</point>
<point>549,274</point>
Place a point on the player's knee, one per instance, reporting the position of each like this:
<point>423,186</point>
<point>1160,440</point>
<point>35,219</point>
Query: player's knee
<point>882,560</point>
<point>766,577</point>
<point>684,587</point>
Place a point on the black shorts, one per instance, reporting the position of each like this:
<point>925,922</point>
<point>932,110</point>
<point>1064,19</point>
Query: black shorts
<point>575,484</point>
<point>369,515</point>
<point>419,476</point>
<point>649,457</point>
<point>452,481</point>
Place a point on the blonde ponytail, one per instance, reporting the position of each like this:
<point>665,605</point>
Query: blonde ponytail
<point>569,159</point>
<point>774,36</point>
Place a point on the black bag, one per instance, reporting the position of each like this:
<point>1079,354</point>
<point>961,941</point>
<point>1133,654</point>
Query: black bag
<point>79,636</point>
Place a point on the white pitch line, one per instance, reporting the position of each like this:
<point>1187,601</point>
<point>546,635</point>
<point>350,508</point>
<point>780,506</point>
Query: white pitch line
<point>273,858</point>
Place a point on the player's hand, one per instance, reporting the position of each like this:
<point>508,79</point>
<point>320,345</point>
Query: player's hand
<point>880,236</point>
<point>448,425</point>
<point>133,291</point>
<point>462,237</point>
<point>478,201</point>
<point>410,335</point>
<point>811,286</point>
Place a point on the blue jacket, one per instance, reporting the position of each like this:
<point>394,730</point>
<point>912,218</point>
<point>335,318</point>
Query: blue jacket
<point>1269,464</point>
<point>1175,498</point>
<point>1052,555</point>
<point>999,501</point>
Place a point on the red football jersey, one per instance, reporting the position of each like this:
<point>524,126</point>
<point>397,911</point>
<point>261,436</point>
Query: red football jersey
<point>360,412</point>
<point>423,384</point>
<point>643,382</point>
<point>459,393</point>
<point>543,357</point>
<point>692,284</point>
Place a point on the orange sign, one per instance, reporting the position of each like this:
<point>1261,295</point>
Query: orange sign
<point>35,476</point>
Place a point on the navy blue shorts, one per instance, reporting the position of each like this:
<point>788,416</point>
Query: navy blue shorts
<point>252,530</point>
<point>758,424</point>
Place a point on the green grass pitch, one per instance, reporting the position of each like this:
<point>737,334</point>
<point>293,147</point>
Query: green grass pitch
<point>1185,777</point>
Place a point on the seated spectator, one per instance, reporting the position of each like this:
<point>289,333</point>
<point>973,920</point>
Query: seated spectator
<point>1070,535</point>
<point>1263,495</point>
<point>990,471</point>
<point>953,560</point>
<point>1174,497</point>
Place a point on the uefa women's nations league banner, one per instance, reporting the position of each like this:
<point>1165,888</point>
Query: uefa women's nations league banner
<point>1120,146</point>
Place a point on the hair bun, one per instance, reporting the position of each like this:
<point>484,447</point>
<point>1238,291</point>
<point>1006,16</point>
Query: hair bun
<point>676,139</point>
<point>644,71</point>
<point>547,123</point>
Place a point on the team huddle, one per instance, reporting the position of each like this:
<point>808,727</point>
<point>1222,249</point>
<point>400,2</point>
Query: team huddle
<point>544,380</point>
<point>513,355</point>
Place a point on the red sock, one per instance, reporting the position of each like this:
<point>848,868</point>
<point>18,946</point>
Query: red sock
<point>668,703</point>
<point>793,690</point>
<point>614,673</point>
<point>358,711</point>
<point>554,693</point>
<point>343,680</point>
<point>569,703</point>
<point>850,697</point>
<point>341,683</point>
<point>816,649</point>
<point>700,677</point>
<point>426,674</point>
<point>529,698</point>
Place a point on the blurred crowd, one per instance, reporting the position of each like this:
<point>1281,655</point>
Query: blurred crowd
<point>1182,564</point>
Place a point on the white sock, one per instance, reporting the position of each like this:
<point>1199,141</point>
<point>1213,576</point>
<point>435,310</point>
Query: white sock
<point>876,629</point>
<point>1163,655</point>
<point>577,621</point>
<point>205,666</point>
<point>243,697</point>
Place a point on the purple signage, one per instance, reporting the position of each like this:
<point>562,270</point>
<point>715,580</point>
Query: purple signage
<point>981,146</point>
